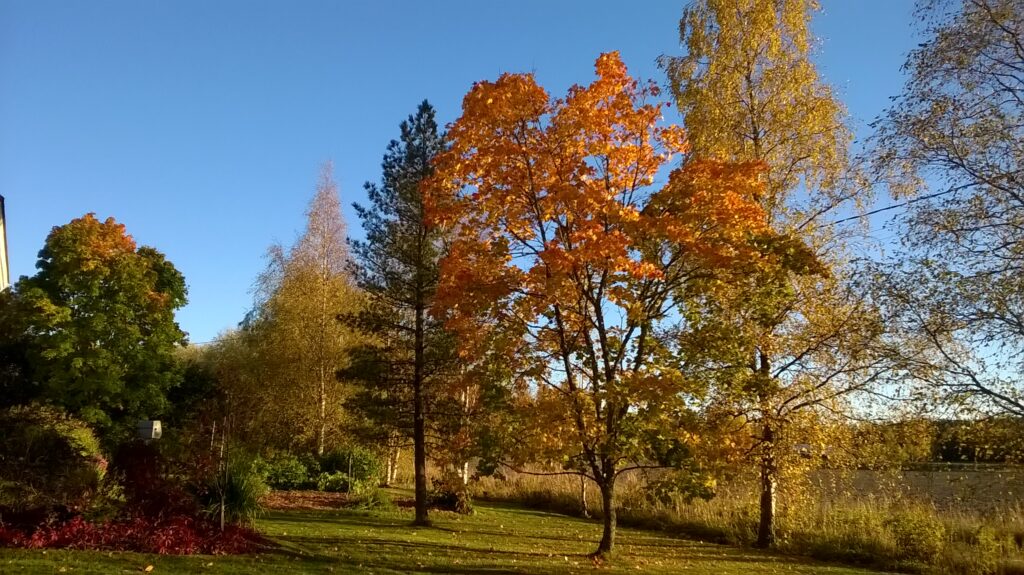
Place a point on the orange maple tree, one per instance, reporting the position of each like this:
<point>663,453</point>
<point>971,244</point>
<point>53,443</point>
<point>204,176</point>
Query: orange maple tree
<point>568,260</point>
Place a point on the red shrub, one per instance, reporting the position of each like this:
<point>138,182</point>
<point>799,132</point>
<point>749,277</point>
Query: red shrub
<point>142,471</point>
<point>9,537</point>
<point>177,535</point>
<point>160,516</point>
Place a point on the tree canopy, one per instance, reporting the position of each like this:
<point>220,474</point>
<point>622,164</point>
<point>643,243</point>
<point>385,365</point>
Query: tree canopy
<point>953,142</point>
<point>566,259</point>
<point>787,341</point>
<point>291,341</point>
<point>97,324</point>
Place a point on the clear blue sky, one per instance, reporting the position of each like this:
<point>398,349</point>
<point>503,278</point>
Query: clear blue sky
<point>201,125</point>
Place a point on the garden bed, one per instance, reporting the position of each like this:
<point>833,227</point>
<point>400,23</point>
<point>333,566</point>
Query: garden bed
<point>306,500</point>
<point>178,535</point>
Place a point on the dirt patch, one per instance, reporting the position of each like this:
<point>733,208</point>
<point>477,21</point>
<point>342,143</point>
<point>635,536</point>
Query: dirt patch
<point>404,502</point>
<point>305,500</point>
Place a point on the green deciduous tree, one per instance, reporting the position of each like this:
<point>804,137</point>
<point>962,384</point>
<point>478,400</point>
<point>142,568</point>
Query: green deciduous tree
<point>97,326</point>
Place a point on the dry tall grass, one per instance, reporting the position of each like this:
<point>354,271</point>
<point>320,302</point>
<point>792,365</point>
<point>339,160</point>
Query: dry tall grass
<point>968,523</point>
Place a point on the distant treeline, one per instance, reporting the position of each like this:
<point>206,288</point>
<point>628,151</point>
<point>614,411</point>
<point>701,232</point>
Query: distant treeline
<point>998,440</point>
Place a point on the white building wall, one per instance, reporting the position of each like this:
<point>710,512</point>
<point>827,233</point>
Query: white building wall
<point>5,270</point>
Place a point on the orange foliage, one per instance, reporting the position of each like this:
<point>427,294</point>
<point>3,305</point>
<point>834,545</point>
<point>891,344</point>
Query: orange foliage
<point>543,193</point>
<point>104,240</point>
<point>566,261</point>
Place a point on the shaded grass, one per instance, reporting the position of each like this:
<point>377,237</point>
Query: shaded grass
<point>497,539</point>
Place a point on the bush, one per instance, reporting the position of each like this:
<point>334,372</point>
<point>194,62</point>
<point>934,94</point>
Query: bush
<point>450,494</point>
<point>241,492</point>
<point>312,464</point>
<point>363,464</point>
<point>179,535</point>
<point>919,536</point>
<point>47,459</point>
<point>373,498</point>
<point>109,502</point>
<point>283,470</point>
<point>338,483</point>
<point>148,491</point>
<point>987,551</point>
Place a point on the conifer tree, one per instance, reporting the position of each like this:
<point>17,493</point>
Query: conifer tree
<point>398,271</point>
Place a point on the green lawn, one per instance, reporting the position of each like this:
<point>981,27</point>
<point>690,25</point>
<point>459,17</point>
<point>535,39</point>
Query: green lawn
<point>497,539</point>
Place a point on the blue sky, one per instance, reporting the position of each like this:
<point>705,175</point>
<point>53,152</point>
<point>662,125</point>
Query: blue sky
<point>202,125</point>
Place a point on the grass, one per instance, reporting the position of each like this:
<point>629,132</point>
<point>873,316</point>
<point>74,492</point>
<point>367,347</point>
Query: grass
<point>883,527</point>
<point>498,539</point>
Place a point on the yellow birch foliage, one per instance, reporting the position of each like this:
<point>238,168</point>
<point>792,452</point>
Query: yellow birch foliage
<point>789,343</point>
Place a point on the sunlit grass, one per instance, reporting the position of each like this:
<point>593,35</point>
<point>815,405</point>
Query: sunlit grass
<point>498,538</point>
<point>882,528</point>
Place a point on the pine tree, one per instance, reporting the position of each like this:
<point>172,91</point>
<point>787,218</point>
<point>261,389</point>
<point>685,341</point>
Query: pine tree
<point>399,272</point>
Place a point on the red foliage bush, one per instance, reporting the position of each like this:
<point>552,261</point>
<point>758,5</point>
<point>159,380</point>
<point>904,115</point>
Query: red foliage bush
<point>176,535</point>
<point>160,515</point>
<point>142,471</point>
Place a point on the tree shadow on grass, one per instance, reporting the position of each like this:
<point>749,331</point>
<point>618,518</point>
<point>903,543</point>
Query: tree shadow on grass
<point>345,521</point>
<point>407,556</point>
<point>385,549</point>
<point>518,535</point>
<point>411,546</point>
<point>355,554</point>
<point>520,510</point>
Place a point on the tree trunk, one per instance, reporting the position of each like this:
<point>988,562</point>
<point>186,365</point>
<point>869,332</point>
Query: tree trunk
<point>349,490</point>
<point>419,437</point>
<point>321,334</point>
<point>766,526</point>
<point>224,473</point>
<point>322,413</point>
<point>604,548</point>
<point>464,472</point>
<point>389,467</point>
<point>584,507</point>
<point>321,432</point>
<point>420,459</point>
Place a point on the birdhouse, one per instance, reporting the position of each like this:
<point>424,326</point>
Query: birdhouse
<point>148,429</point>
